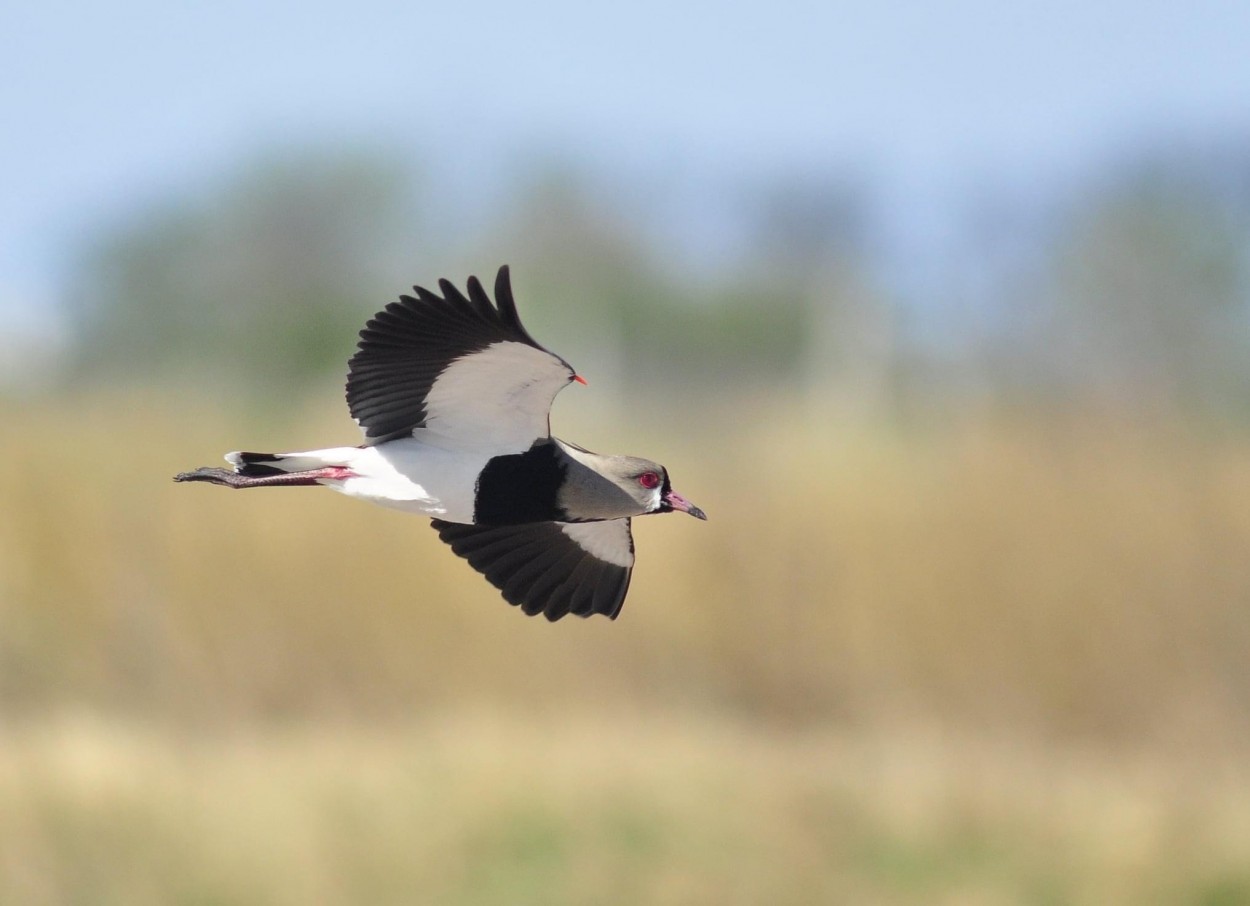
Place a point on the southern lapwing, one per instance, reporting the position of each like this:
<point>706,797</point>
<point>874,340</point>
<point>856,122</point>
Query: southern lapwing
<point>454,398</point>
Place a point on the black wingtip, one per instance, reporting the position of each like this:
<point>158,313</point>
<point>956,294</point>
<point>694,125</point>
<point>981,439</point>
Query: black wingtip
<point>503,295</point>
<point>506,303</point>
<point>451,292</point>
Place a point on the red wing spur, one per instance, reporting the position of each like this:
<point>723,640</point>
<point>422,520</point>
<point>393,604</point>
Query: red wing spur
<point>454,398</point>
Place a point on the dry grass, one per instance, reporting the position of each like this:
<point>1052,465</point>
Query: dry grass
<point>1004,663</point>
<point>482,810</point>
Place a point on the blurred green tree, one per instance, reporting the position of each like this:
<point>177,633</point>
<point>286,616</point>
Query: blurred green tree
<point>1150,297</point>
<point>813,235</point>
<point>263,278</point>
<point>655,317</point>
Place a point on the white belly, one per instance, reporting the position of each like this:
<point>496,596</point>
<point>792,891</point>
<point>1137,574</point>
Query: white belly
<point>408,475</point>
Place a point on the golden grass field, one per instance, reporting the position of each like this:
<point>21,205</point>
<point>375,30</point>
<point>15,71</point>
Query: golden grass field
<point>1003,661</point>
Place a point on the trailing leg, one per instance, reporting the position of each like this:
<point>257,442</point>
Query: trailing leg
<point>230,479</point>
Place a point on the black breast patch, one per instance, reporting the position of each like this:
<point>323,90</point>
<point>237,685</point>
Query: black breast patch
<point>521,487</point>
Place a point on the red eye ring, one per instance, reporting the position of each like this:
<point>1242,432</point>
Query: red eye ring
<point>649,480</point>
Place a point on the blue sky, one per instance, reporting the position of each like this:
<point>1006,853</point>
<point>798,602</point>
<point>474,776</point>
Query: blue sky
<point>108,106</point>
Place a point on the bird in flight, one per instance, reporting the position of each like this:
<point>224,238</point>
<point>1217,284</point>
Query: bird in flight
<point>454,398</point>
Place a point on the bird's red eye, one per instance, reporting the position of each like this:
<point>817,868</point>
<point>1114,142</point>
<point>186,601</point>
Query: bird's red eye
<point>649,480</point>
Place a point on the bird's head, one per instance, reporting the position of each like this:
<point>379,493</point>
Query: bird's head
<point>648,483</point>
<point>614,487</point>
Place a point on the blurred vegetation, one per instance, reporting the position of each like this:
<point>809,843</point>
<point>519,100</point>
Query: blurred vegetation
<point>588,808</point>
<point>1134,294</point>
<point>969,622</point>
<point>1150,295</point>
<point>256,279</point>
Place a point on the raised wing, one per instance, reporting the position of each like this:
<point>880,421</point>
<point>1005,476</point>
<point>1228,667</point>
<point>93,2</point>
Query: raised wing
<point>552,568</point>
<point>460,367</point>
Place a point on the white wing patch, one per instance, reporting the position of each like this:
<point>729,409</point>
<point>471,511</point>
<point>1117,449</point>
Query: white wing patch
<point>496,399</point>
<point>608,541</point>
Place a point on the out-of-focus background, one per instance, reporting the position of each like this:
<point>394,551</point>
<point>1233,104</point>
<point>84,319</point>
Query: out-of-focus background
<point>942,314</point>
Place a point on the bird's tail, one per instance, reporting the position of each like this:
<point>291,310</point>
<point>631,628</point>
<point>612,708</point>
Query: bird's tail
<point>258,465</point>
<point>254,470</point>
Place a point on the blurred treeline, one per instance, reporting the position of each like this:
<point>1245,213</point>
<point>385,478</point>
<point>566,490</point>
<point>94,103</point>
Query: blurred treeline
<point>1126,287</point>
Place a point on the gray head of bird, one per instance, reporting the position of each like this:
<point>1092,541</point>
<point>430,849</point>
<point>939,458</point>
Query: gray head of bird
<point>614,487</point>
